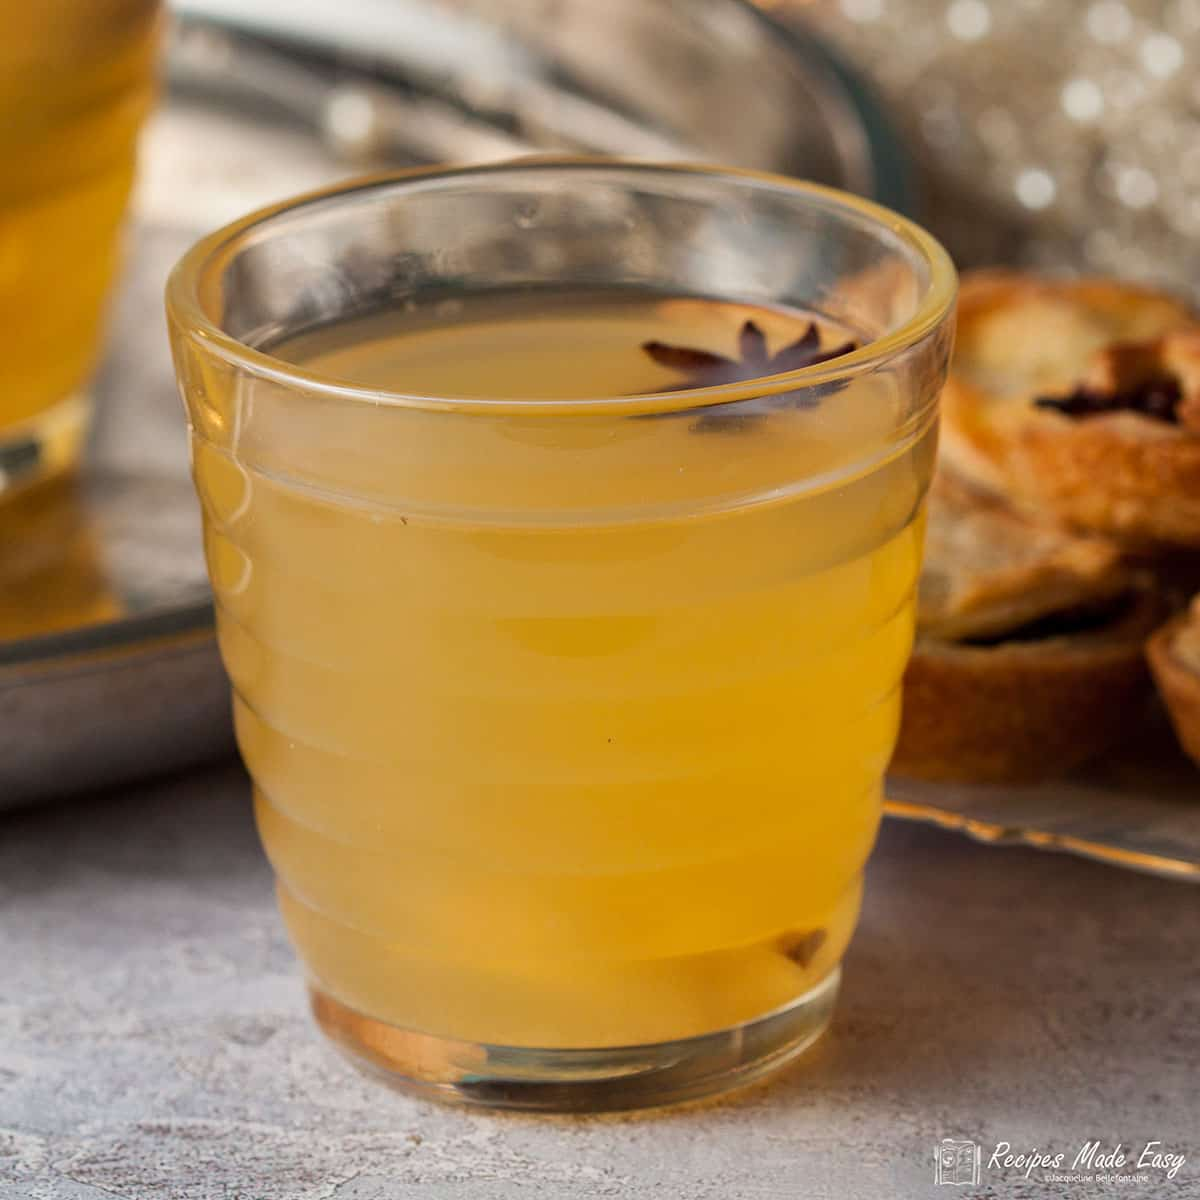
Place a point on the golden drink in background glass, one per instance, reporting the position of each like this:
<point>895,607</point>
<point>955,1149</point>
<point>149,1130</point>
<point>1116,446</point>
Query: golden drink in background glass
<point>567,690</point>
<point>76,79</point>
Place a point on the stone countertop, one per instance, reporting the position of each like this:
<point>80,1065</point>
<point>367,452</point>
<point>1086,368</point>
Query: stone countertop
<point>154,1042</point>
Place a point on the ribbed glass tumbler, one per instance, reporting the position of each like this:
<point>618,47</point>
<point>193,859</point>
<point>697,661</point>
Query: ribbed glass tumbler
<point>563,520</point>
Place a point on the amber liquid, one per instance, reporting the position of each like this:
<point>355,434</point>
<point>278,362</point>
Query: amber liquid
<point>565,732</point>
<point>76,78</point>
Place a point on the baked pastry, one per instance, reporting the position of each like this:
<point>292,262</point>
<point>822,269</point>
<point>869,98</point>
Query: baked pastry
<point>1174,654</point>
<point>1080,401</point>
<point>1029,651</point>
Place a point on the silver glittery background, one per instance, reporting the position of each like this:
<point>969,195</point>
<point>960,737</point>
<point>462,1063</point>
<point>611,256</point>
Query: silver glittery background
<point>1061,134</point>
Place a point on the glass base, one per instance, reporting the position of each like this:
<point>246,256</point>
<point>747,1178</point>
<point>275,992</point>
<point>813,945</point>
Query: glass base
<point>603,1080</point>
<point>43,445</point>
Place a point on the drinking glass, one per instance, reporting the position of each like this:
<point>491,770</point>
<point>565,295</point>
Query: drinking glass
<point>76,79</point>
<point>567,705</point>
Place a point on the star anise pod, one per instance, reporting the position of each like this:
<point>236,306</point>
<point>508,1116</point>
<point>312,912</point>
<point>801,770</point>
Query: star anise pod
<point>703,368</point>
<point>802,947</point>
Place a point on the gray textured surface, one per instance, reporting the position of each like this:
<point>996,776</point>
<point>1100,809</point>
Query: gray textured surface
<point>154,1042</point>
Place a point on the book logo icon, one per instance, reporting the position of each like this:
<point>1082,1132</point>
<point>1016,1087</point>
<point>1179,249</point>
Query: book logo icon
<point>955,1162</point>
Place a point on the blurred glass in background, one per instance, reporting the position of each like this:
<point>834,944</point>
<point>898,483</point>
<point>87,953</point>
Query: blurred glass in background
<point>76,79</point>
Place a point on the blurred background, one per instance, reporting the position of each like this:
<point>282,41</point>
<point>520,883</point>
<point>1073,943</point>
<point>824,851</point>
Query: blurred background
<point>1062,134</point>
<point>1058,133</point>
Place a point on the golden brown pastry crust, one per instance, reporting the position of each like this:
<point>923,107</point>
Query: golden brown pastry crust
<point>1022,711</point>
<point>1174,655</point>
<point>1122,474</point>
<point>989,570</point>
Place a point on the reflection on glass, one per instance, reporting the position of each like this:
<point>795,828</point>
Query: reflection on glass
<point>52,577</point>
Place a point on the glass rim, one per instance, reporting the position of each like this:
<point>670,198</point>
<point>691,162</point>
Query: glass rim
<point>185,284</point>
